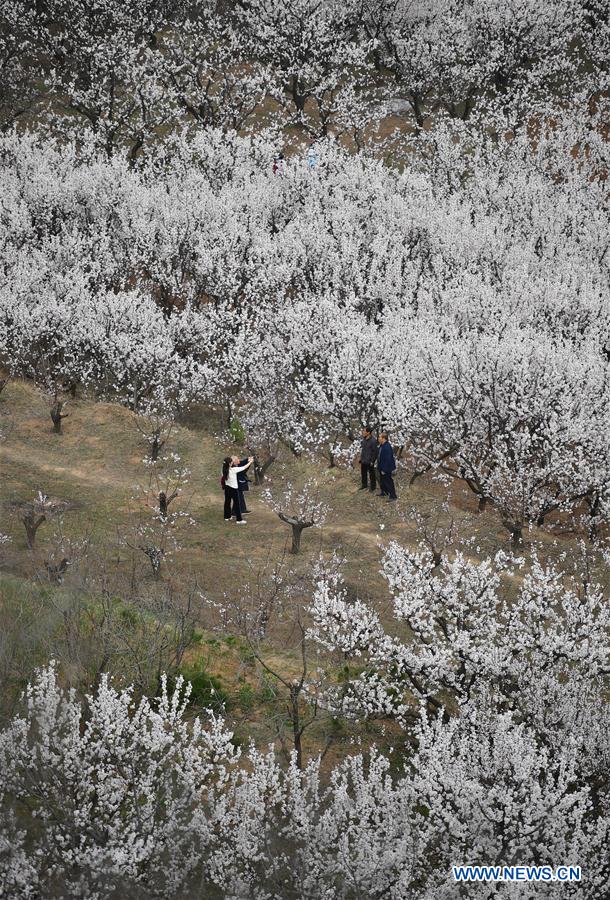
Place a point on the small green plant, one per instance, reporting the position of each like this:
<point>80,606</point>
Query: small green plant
<point>346,673</point>
<point>238,435</point>
<point>268,688</point>
<point>239,741</point>
<point>247,656</point>
<point>246,696</point>
<point>128,616</point>
<point>337,726</point>
<point>206,690</point>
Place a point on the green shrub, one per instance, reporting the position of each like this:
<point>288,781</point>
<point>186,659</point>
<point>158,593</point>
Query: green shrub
<point>246,696</point>
<point>268,688</point>
<point>238,435</point>
<point>207,690</point>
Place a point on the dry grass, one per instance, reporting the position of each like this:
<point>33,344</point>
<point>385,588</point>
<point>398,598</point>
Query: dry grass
<point>97,464</point>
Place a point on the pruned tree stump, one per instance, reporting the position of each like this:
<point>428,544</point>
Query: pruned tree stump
<point>34,512</point>
<point>297,530</point>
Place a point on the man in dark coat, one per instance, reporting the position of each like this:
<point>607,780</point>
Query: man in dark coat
<point>368,457</point>
<point>243,484</point>
<point>387,465</point>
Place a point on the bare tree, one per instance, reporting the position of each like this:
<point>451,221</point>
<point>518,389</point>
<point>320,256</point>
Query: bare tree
<point>262,461</point>
<point>155,529</point>
<point>265,593</point>
<point>300,509</point>
<point>34,512</point>
<point>435,529</point>
<point>299,696</point>
<point>156,431</point>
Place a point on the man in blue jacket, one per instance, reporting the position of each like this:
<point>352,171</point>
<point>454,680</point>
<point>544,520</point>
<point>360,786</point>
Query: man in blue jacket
<point>387,465</point>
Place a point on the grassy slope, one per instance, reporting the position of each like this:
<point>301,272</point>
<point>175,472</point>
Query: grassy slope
<point>97,462</point>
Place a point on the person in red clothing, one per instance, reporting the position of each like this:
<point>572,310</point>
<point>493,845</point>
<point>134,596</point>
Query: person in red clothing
<point>278,164</point>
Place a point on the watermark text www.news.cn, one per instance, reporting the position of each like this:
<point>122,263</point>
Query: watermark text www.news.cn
<point>516,873</point>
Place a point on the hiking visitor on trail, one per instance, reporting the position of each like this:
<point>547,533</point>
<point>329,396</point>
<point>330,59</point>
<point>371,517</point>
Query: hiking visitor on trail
<point>230,471</point>
<point>312,156</point>
<point>368,457</point>
<point>278,164</point>
<point>386,465</point>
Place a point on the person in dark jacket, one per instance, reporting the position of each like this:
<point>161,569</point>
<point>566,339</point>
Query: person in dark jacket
<point>230,471</point>
<point>387,465</point>
<point>243,483</point>
<point>368,457</point>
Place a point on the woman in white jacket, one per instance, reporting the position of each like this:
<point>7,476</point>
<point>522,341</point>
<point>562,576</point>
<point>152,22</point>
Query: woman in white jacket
<point>229,475</point>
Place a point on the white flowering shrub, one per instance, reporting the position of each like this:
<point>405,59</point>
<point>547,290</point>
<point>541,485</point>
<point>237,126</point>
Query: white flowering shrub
<point>491,792</point>
<point>117,787</point>
<point>543,648</point>
<point>112,797</point>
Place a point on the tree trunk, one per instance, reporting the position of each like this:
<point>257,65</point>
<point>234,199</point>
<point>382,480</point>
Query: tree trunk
<point>259,471</point>
<point>593,512</point>
<point>516,537</point>
<point>31,527</point>
<point>155,446</point>
<point>164,502</point>
<point>57,415</point>
<point>155,557</point>
<point>415,101</point>
<point>135,149</point>
<point>468,107</point>
<point>500,81</point>
<point>297,530</point>
<point>56,572</point>
<point>298,97</point>
<point>297,731</point>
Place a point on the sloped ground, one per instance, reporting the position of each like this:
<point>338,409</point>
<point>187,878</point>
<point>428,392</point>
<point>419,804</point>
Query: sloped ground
<point>97,463</point>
